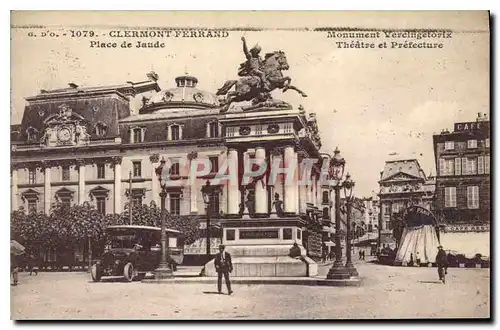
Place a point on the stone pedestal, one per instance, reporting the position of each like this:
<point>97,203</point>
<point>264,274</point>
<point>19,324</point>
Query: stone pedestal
<point>260,247</point>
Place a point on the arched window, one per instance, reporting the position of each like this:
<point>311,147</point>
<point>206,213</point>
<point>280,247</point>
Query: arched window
<point>100,129</point>
<point>32,134</point>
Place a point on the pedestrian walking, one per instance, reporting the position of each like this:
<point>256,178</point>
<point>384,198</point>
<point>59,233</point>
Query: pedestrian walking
<point>363,255</point>
<point>360,254</point>
<point>14,268</point>
<point>442,263</point>
<point>223,266</point>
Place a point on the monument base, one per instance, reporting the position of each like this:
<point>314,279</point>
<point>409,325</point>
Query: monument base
<point>260,247</point>
<point>250,261</point>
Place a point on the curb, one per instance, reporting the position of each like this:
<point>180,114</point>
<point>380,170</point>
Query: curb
<point>307,281</point>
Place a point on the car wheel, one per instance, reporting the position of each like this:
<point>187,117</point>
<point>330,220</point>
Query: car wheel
<point>129,272</point>
<point>96,273</point>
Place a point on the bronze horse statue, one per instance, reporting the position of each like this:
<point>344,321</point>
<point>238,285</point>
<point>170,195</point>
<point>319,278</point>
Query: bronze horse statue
<point>249,88</point>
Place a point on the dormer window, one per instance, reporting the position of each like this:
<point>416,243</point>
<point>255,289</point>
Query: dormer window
<point>449,145</point>
<point>137,135</point>
<point>100,129</point>
<point>288,128</point>
<point>472,144</point>
<point>213,129</point>
<point>32,134</point>
<point>175,132</point>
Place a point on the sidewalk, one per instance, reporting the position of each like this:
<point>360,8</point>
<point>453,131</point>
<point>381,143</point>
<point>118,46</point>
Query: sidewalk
<point>191,275</point>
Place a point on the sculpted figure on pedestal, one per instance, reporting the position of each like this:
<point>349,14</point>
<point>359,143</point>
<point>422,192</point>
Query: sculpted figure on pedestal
<point>258,78</point>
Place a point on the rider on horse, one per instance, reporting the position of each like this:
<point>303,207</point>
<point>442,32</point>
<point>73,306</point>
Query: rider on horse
<point>252,66</point>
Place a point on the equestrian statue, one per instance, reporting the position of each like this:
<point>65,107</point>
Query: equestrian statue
<point>258,79</point>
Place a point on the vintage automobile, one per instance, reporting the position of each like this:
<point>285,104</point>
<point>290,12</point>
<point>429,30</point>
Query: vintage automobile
<point>133,251</point>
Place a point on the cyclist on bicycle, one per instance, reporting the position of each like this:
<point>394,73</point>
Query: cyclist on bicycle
<point>442,263</point>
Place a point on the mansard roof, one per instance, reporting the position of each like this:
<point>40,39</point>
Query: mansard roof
<point>405,167</point>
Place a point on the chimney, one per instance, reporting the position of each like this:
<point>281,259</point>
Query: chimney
<point>381,173</point>
<point>73,85</point>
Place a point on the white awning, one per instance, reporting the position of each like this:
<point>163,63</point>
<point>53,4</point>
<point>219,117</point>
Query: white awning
<point>467,243</point>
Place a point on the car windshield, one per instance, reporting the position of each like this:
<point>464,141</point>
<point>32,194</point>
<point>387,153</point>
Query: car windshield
<point>126,242</point>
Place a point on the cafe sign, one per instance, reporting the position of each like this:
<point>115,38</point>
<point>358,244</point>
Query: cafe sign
<point>471,126</point>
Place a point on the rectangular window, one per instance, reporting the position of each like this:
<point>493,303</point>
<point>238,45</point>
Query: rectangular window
<point>175,203</point>
<point>386,209</point>
<point>326,197</point>
<point>471,168</point>
<point>230,131</point>
<point>32,205</point>
<point>471,144</point>
<point>288,128</point>
<point>136,169</point>
<point>442,166</point>
<point>175,131</point>
<point>388,225</point>
<point>487,143</point>
<point>137,135</point>
<point>258,130</point>
<point>487,164</point>
<point>32,176</point>
<point>174,169</point>
<point>213,130</point>
<point>215,203</point>
<point>480,165</point>
<point>458,166</point>
<point>473,197</point>
<point>450,166</point>
<point>101,204</point>
<point>137,195</point>
<point>450,197</point>
<point>449,145</point>
<point>65,173</point>
<point>101,171</point>
<point>214,162</point>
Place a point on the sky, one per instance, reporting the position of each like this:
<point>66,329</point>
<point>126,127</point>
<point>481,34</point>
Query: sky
<point>371,103</point>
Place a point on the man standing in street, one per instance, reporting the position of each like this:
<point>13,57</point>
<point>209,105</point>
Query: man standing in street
<point>442,263</point>
<point>223,266</point>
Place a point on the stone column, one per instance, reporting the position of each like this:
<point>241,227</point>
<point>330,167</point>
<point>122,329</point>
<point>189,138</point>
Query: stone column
<point>309,192</point>
<point>193,188</point>
<point>290,197</point>
<point>13,190</point>
<point>81,181</point>
<point>315,191</point>
<point>47,191</point>
<point>260,186</point>
<point>117,162</point>
<point>382,216</point>
<point>155,189</point>
<point>302,187</point>
<point>319,192</point>
<point>233,197</point>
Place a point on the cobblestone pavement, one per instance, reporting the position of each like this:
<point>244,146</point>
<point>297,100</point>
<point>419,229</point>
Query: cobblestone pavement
<point>386,292</point>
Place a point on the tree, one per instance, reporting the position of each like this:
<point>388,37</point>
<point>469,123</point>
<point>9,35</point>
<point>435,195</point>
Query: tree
<point>150,215</point>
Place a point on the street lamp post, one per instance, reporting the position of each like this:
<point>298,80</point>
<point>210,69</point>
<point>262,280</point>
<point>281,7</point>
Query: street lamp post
<point>163,270</point>
<point>336,172</point>
<point>206,191</point>
<point>348,186</point>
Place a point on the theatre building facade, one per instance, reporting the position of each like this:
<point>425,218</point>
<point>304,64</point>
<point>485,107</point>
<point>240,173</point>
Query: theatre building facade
<point>78,145</point>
